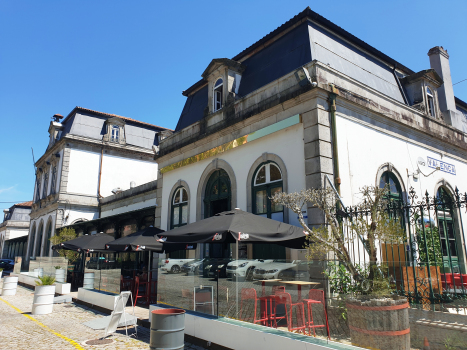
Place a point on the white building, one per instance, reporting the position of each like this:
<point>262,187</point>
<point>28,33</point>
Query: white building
<point>14,230</point>
<point>306,102</point>
<point>90,155</point>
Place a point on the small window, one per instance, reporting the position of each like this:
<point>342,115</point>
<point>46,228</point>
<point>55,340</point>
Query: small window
<point>395,189</point>
<point>267,182</point>
<point>430,101</point>
<point>115,133</point>
<point>179,208</point>
<point>218,92</point>
<point>46,184</point>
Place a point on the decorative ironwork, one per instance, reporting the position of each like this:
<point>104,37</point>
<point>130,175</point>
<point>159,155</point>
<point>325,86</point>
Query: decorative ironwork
<point>429,266</point>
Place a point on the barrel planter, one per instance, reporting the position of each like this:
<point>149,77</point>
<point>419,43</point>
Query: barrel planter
<point>60,275</point>
<point>379,323</point>
<point>167,329</point>
<point>9,286</point>
<point>43,301</point>
<point>88,281</point>
<point>1,272</point>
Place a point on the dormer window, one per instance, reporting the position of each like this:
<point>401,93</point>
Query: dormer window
<point>218,91</point>
<point>46,184</point>
<point>115,132</point>
<point>431,105</point>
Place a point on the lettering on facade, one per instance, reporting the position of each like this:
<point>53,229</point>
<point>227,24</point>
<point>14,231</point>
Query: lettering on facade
<point>447,168</point>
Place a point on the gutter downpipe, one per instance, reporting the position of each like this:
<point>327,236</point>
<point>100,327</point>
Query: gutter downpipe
<point>335,157</point>
<point>100,177</point>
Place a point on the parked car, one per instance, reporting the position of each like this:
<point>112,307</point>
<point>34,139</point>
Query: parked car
<point>192,267</point>
<point>7,264</point>
<point>244,268</point>
<point>304,271</point>
<point>213,265</point>
<point>174,265</point>
<point>272,270</point>
<point>101,263</point>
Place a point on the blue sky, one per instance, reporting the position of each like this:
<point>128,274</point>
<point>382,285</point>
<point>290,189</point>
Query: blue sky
<point>134,58</point>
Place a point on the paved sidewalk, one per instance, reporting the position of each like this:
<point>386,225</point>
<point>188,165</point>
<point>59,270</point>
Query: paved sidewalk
<point>62,329</point>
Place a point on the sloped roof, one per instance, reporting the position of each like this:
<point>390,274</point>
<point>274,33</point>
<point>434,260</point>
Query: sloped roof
<point>24,204</point>
<point>82,109</point>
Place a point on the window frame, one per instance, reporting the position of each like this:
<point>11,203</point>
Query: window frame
<point>179,207</point>
<point>218,89</point>
<point>390,175</point>
<point>45,188</point>
<point>53,182</point>
<point>430,100</point>
<point>116,128</point>
<point>268,186</point>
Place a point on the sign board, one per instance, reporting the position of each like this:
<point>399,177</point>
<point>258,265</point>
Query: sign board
<point>447,168</point>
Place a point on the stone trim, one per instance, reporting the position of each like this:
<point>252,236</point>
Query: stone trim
<point>179,183</point>
<point>216,164</point>
<point>266,157</point>
<point>392,169</point>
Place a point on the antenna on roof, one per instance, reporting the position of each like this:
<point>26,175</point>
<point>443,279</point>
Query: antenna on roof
<point>33,161</point>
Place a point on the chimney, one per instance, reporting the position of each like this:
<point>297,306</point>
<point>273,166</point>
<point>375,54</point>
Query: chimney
<point>439,61</point>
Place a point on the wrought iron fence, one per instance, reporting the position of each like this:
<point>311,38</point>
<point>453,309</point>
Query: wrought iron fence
<point>429,265</point>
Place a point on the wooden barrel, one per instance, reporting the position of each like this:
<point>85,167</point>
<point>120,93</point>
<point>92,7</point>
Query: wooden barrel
<point>379,323</point>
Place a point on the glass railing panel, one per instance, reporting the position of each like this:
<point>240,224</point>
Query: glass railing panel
<point>191,284</point>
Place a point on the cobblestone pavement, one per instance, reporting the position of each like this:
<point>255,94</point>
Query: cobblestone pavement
<point>62,329</point>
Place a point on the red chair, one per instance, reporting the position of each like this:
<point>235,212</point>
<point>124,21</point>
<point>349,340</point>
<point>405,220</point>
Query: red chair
<point>286,299</point>
<point>141,290</point>
<point>447,281</point>
<point>315,296</point>
<point>250,294</point>
<point>276,289</point>
<point>125,284</point>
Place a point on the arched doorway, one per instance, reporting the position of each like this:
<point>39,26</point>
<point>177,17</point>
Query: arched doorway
<point>217,197</point>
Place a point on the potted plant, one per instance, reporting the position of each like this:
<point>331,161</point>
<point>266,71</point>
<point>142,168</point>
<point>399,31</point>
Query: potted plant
<point>363,289</point>
<point>59,274</point>
<point>44,295</point>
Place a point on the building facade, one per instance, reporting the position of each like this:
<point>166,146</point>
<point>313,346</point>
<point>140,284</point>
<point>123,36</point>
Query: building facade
<point>14,230</point>
<point>307,105</point>
<point>90,155</point>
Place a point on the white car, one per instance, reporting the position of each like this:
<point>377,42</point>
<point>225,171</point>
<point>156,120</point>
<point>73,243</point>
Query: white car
<point>174,265</point>
<point>244,268</point>
<point>272,270</point>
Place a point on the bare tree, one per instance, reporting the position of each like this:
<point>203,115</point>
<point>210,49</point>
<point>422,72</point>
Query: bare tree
<point>373,225</point>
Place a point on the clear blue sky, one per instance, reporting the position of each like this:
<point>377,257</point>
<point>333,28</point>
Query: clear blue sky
<point>134,58</point>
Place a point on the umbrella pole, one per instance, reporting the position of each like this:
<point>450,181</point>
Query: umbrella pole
<point>236,282</point>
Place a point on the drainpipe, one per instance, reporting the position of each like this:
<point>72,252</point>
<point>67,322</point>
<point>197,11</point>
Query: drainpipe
<point>99,186</point>
<point>335,157</point>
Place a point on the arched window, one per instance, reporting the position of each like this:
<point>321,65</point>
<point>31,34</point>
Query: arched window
<point>218,193</point>
<point>32,238</point>
<point>179,208</point>
<point>46,184</point>
<point>53,183</point>
<point>267,182</point>
<point>47,238</point>
<point>38,187</point>
<point>430,102</point>
<point>446,229</point>
<point>39,240</point>
<point>395,190</point>
<point>217,95</point>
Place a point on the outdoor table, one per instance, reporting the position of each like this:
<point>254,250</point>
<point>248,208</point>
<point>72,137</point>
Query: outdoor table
<point>263,284</point>
<point>299,285</point>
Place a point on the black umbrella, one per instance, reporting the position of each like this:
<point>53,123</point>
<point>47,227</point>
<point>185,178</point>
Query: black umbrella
<point>86,243</point>
<point>145,239</point>
<point>237,225</point>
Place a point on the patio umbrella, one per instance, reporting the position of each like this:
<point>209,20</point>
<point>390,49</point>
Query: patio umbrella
<point>87,243</point>
<point>237,225</point>
<point>145,239</point>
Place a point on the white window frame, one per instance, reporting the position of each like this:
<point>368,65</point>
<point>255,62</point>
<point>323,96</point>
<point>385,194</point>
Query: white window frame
<point>268,174</point>
<point>430,100</point>
<point>217,102</point>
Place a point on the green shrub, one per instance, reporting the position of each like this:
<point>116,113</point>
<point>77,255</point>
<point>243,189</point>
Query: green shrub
<point>45,281</point>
